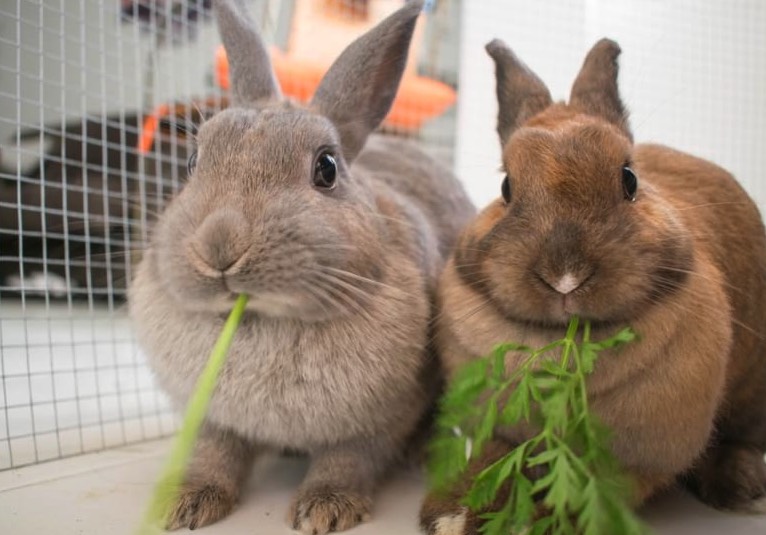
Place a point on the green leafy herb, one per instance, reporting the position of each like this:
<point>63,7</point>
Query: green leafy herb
<point>581,489</point>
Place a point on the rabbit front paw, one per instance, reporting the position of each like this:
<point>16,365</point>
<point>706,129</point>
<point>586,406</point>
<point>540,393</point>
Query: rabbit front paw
<point>199,505</point>
<point>731,477</point>
<point>322,509</point>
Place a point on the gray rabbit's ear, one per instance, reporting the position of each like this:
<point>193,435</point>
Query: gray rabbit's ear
<point>595,90</point>
<point>520,93</point>
<point>251,76</point>
<point>359,88</point>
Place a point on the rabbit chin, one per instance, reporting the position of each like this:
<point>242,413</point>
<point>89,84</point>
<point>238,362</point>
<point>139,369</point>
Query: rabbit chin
<point>564,307</point>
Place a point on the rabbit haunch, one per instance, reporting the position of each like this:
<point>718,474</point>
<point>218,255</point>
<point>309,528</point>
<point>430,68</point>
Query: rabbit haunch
<point>338,242</point>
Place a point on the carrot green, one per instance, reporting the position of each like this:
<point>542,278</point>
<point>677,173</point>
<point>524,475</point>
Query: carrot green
<point>581,489</point>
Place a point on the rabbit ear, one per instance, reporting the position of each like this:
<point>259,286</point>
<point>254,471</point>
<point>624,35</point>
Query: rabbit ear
<point>359,88</point>
<point>520,93</point>
<point>250,72</point>
<point>595,89</point>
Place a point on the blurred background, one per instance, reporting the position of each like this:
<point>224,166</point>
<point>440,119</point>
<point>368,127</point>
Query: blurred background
<point>99,101</point>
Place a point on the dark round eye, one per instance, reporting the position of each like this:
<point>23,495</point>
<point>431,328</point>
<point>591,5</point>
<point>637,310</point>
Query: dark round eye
<point>325,171</point>
<point>192,163</point>
<point>506,189</point>
<point>629,183</point>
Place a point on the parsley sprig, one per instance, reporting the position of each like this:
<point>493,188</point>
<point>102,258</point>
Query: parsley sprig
<point>581,489</point>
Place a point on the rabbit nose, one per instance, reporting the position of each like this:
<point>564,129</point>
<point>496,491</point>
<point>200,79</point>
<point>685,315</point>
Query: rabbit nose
<point>566,284</point>
<point>221,240</point>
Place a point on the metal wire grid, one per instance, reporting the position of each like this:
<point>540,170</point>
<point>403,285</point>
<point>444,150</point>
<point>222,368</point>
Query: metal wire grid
<point>77,197</point>
<point>73,380</point>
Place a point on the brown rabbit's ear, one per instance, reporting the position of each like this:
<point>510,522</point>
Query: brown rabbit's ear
<point>595,90</point>
<point>520,93</point>
<point>251,76</point>
<point>359,88</point>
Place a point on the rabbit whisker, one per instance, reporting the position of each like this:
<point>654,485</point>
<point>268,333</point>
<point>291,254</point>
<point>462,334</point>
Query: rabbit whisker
<point>708,205</point>
<point>704,277</point>
<point>354,276</point>
<point>315,296</point>
<point>349,287</point>
<point>695,311</point>
<point>333,287</point>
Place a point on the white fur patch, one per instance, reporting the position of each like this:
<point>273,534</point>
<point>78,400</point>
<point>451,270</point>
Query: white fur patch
<point>450,525</point>
<point>567,284</point>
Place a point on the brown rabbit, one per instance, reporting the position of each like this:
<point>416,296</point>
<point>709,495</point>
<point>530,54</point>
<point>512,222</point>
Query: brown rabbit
<point>338,243</point>
<point>620,234</point>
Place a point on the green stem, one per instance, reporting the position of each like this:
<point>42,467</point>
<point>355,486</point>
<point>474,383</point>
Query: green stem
<point>580,375</point>
<point>569,341</point>
<point>573,457</point>
<point>168,485</point>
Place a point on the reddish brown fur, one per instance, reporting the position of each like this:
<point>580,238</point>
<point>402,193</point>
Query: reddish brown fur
<point>684,265</point>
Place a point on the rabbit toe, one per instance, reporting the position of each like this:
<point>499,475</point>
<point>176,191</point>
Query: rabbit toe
<point>444,515</point>
<point>200,505</point>
<point>450,525</point>
<point>320,510</point>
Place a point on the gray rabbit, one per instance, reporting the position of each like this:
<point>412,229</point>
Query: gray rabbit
<point>338,241</point>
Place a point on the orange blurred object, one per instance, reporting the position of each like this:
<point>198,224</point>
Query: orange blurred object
<point>419,98</point>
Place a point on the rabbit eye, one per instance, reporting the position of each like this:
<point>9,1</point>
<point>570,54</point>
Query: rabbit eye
<point>629,183</point>
<point>325,171</point>
<point>506,189</point>
<point>192,163</point>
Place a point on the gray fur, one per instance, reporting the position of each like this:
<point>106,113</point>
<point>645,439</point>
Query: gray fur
<point>357,102</point>
<point>332,356</point>
<point>520,93</point>
<point>250,74</point>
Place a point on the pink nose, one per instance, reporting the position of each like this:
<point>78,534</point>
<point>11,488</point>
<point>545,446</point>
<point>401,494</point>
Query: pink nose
<point>221,240</point>
<point>567,284</point>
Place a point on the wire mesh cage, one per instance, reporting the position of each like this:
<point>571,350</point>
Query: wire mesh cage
<point>99,102</point>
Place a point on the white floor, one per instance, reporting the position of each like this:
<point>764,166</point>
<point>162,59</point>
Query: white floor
<point>104,494</point>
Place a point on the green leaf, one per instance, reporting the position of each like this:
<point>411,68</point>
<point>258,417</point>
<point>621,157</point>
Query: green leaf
<point>470,381</point>
<point>564,483</point>
<point>588,356</point>
<point>510,346</point>
<point>556,409</point>
<point>543,483</point>
<point>544,457</point>
<point>446,460</point>
<point>621,338</point>
<point>523,504</point>
<point>496,523</point>
<point>488,482</point>
<point>543,382</point>
<point>498,367</point>
<point>517,407</point>
<point>486,427</point>
<point>542,526</point>
<point>552,368</point>
<point>590,519</point>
